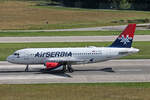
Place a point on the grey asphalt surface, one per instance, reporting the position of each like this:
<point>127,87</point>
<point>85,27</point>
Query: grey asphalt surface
<point>68,39</point>
<point>73,38</point>
<point>137,70</point>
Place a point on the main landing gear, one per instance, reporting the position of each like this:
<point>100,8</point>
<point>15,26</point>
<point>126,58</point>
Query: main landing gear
<point>67,68</point>
<point>27,68</point>
<point>70,69</point>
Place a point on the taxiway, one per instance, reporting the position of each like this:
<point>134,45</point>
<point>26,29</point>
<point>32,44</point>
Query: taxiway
<point>68,39</point>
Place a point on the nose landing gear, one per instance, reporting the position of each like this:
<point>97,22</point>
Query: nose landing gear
<point>27,68</point>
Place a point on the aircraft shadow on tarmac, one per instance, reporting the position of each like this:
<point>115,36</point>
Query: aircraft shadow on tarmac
<point>66,74</point>
<point>59,73</point>
<point>15,71</point>
<point>109,69</point>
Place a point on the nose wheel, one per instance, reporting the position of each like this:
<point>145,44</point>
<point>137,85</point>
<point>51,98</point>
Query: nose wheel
<point>27,68</point>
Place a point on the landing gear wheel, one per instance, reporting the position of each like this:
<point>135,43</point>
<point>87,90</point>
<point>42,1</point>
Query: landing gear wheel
<point>70,69</point>
<point>27,68</point>
<point>64,69</point>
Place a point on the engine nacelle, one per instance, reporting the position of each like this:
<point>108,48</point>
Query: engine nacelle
<point>50,65</point>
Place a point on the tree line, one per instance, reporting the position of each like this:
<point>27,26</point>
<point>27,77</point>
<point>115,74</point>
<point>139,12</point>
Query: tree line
<point>107,4</point>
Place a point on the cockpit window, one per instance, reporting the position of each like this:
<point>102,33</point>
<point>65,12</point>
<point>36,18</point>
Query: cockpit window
<point>16,54</point>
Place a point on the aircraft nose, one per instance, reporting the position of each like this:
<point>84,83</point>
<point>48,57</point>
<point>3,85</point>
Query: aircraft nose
<point>9,59</point>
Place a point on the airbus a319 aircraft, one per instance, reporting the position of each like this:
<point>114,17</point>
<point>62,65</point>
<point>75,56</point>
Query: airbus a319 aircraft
<point>64,58</point>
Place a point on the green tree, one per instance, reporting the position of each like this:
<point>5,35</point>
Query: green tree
<point>124,4</point>
<point>115,4</point>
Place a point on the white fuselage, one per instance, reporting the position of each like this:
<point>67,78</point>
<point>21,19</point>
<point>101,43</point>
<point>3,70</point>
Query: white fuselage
<point>75,55</point>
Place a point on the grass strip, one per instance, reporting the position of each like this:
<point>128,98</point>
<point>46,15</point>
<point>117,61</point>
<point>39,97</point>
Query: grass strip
<point>84,91</point>
<point>30,16</point>
<point>70,33</point>
<point>8,48</point>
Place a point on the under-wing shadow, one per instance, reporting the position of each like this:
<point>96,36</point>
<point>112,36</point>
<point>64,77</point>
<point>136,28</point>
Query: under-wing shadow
<point>57,73</point>
<point>64,74</point>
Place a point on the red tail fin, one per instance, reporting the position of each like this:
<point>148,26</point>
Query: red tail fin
<point>129,31</point>
<point>125,38</point>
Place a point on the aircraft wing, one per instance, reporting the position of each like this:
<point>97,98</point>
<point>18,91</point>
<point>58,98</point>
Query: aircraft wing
<point>64,59</point>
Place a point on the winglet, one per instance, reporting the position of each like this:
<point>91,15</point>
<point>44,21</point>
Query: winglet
<point>124,40</point>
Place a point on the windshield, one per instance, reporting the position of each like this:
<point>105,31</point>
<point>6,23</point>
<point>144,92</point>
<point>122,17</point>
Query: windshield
<point>16,54</point>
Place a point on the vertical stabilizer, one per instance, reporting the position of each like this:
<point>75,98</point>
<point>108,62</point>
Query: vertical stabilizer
<point>124,40</point>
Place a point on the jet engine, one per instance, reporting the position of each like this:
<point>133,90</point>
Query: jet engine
<point>50,65</point>
<point>54,66</point>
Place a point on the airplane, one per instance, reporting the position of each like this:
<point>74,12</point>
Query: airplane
<point>63,58</point>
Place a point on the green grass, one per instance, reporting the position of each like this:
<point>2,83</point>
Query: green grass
<point>70,33</point>
<point>97,91</point>
<point>8,48</point>
<point>31,16</point>
<point>114,17</point>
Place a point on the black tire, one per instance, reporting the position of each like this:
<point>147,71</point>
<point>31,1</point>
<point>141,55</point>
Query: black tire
<point>70,69</point>
<point>64,68</point>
